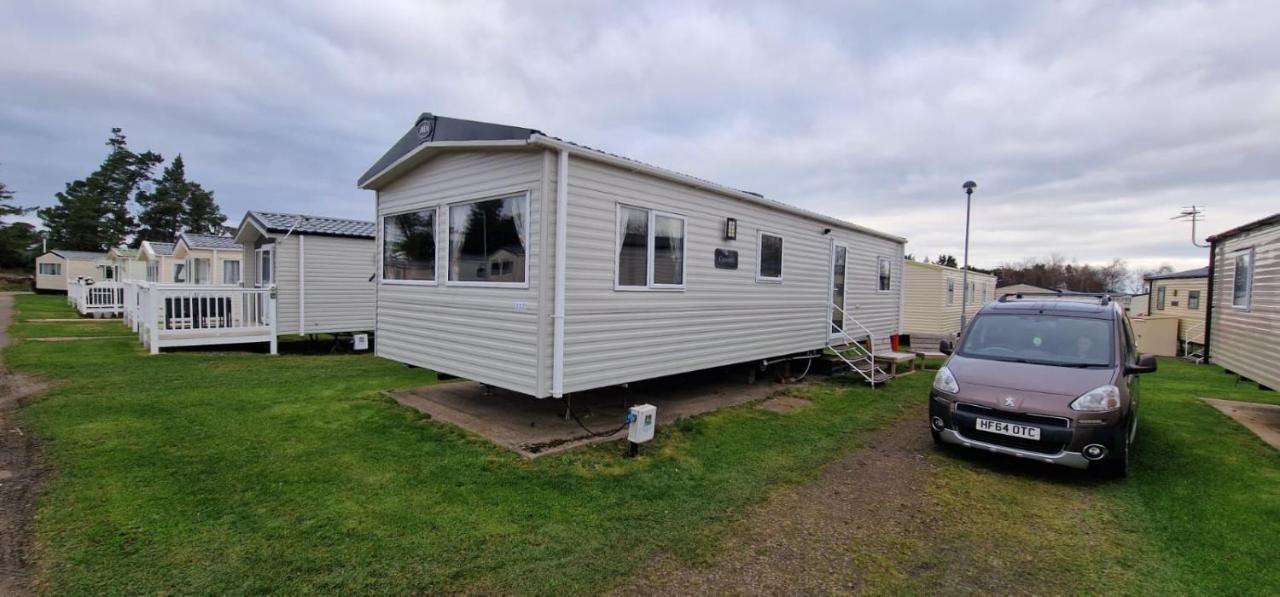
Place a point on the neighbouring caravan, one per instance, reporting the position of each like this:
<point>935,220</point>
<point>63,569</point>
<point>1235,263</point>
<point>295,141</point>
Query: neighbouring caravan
<point>206,259</point>
<point>322,269</point>
<point>158,262</point>
<point>1181,295</point>
<point>533,264</point>
<point>932,298</point>
<point>1244,304</point>
<point>122,264</point>
<point>55,268</point>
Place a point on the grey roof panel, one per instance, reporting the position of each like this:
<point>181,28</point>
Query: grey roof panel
<point>209,241</point>
<point>1199,272</point>
<point>79,255</point>
<point>1271,220</point>
<point>162,249</point>
<point>304,224</point>
<point>428,128</point>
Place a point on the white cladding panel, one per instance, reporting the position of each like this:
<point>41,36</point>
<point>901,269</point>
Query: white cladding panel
<point>336,284</point>
<point>1245,340</point>
<point>722,316</point>
<point>487,334</point>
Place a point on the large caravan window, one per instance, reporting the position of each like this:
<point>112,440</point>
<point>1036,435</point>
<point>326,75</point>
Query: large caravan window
<point>1242,284</point>
<point>489,240</point>
<point>199,271</point>
<point>231,272</point>
<point>51,269</point>
<point>1193,300</point>
<point>770,268</point>
<point>885,273</point>
<point>409,246</point>
<point>650,249</point>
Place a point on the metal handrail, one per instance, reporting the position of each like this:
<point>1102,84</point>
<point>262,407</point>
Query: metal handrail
<point>869,353</point>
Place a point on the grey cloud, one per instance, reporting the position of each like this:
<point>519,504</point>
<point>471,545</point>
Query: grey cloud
<point>1087,124</point>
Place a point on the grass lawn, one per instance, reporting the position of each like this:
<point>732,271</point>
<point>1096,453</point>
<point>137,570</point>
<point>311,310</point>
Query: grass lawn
<point>235,473</point>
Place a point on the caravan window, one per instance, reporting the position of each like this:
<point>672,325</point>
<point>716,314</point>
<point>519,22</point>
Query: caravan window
<point>1242,282</point>
<point>51,269</point>
<point>409,246</point>
<point>179,272</point>
<point>650,249</point>
<point>885,273</point>
<point>153,272</point>
<point>489,240</point>
<point>770,263</point>
<point>951,292</point>
<point>231,272</point>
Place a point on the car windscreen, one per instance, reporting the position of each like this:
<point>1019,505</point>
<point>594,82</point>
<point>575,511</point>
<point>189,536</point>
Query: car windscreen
<point>1041,339</point>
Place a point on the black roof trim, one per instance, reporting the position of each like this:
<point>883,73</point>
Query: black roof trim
<point>429,127</point>
<point>1271,220</point>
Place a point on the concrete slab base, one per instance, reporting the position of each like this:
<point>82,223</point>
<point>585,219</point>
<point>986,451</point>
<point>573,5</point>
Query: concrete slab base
<point>533,427</point>
<point>1262,419</point>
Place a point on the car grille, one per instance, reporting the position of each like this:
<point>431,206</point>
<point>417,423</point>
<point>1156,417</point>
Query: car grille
<point>1049,420</point>
<point>1054,431</point>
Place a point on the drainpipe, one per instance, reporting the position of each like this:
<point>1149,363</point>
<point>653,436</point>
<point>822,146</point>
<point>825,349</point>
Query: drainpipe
<point>557,317</point>
<point>1208,303</point>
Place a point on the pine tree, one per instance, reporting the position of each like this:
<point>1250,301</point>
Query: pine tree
<point>92,214</point>
<point>163,208</point>
<point>202,214</point>
<point>7,208</point>
<point>17,238</point>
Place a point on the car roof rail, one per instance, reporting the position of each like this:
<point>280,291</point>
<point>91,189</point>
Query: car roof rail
<point>1104,298</point>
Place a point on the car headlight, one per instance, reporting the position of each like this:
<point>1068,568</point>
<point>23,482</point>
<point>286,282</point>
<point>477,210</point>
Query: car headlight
<point>1100,399</point>
<point>944,381</point>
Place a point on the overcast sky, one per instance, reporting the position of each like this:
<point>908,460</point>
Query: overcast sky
<point>1087,125</point>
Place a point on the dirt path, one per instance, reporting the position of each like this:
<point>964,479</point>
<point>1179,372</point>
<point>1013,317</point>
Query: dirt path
<point>806,540</point>
<point>20,473</point>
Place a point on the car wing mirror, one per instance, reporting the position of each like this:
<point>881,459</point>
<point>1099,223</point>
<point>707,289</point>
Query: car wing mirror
<point>944,347</point>
<point>1145,364</point>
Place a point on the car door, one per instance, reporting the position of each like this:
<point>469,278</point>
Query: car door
<point>1132,382</point>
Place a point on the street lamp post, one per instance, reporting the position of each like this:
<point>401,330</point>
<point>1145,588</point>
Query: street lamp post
<point>969,186</point>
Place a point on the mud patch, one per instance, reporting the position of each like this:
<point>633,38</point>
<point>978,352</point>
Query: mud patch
<point>20,473</point>
<point>785,404</point>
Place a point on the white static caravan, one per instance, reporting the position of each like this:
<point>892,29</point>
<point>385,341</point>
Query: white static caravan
<point>55,268</point>
<point>159,264</point>
<point>206,259</point>
<point>649,273</point>
<point>322,269</point>
<point>934,297</point>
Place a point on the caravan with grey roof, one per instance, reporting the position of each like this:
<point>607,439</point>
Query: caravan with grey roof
<point>55,268</point>
<point>322,269</point>
<point>529,263</point>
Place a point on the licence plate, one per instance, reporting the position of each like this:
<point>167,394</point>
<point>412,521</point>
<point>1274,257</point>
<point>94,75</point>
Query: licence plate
<point>1010,429</point>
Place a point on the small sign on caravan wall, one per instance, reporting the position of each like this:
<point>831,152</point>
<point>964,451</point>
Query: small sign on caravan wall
<point>726,259</point>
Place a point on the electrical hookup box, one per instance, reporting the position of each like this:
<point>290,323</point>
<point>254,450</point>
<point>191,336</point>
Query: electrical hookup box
<point>360,341</point>
<point>644,418</point>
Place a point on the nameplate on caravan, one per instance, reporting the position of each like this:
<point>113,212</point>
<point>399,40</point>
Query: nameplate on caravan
<point>726,259</point>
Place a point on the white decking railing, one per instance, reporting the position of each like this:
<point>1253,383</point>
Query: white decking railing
<point>169,315</point>
<point>96,298</point>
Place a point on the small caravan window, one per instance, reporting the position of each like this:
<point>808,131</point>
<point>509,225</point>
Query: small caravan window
<point>1242,282</point>
<point>486,233</point>
<point>650,249</point>
<point>409,246</point>
<point>199,270</point>
<point>231,271</point>
<point>179,272</point>
<point>951,292</point>
<point>1193,299</point>
<point>770,268</point>
<point>51,269</point>
<point>1160,298</point>
<point>153,272</point>
<point>885,273</point>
